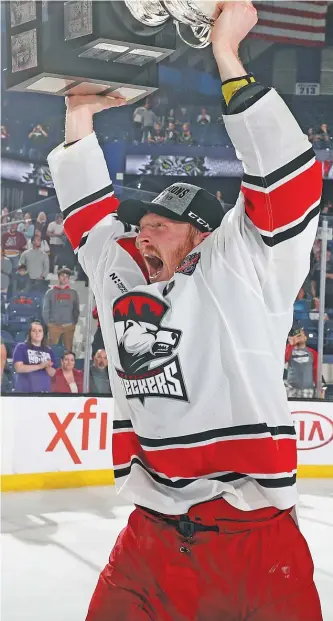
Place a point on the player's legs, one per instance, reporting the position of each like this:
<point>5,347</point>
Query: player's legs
<point>301,606</point>
<point>256,568</point>
<point>280,585</point>
<point>134,585</point>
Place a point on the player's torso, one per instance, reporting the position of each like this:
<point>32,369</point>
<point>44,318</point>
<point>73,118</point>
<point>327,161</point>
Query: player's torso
<point>187,358</point>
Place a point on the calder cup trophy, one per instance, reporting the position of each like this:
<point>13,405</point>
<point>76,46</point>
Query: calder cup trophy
<point>98,46</point>
<point>197,14</point>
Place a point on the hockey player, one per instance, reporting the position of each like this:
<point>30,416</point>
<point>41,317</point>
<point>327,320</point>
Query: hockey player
<point>203,443</point>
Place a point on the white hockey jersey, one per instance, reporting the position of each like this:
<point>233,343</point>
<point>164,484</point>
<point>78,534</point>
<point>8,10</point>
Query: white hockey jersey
<point>197,362</point>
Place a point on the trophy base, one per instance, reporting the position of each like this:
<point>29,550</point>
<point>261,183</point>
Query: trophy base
<point>63,85</point>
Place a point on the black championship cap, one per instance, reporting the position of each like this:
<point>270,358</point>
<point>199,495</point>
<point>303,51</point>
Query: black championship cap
<point>183,202</point>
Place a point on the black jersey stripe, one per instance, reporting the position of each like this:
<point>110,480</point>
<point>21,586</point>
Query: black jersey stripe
<point>293,231</point>
<point>240,430</point>
<point>280,173</point>
<point>87,200</point>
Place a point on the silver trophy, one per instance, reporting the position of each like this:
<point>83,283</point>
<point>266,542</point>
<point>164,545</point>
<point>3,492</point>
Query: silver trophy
<point>193,17</point>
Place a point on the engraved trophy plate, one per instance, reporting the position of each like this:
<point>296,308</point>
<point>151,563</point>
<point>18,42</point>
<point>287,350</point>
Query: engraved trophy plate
<point>77,19</point>
<point>21,12</point>
<point>24,50</point>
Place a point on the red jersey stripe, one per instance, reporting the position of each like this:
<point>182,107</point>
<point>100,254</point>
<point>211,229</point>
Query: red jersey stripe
<point>253,455</point>
<point>86,218</point>
<point>285,204</point>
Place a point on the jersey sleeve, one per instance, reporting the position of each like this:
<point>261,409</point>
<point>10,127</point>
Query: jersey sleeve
<point>277,211</point>
<point>87,200</point>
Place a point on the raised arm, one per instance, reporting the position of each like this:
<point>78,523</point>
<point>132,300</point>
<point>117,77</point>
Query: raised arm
<point>277,211</point>
<point>87,199</point>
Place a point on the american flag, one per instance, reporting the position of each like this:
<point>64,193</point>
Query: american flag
<point>292,22</point>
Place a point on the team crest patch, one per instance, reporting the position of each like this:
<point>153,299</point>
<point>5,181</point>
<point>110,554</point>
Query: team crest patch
<point>189,264</point>
<point>147,350</point>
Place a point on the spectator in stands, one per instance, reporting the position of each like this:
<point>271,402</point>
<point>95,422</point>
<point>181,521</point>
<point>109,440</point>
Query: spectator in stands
<point>3,365</point>
<point>203,121</point>
<point>302,365</point>
<point>182,117</point>
<point>67,257</point>
<point>159,108</point>
<point>5,211</point>
<point>3,357</point>
<point>99,375</point>
<point>314,310</point>
<point>171,134</point>
<point>4,138</point>
<point>56,235</point>
<point>157,134</point>
<point>312,136</point>
<point>305,290</point>
<point>149,120</point>
<point>315,279</point>
<point>43,243</point>
<point>34,362</point>
<point>186,135</point>
<point>98,342</point>
<point>37,264</point>
<point>5,380</point>
<point>328,209</point>
<point>219,197</point>
<point>38,139</point>
<point>21,283</point>
<point>41,224</point>
<point>138,115</point>
<point>171,118</point>
<point>27,227</point>
<point>6,270</point>
<point>203,118</point>
<point>61,310</point>
<point>67,379</point>
<point>18,217</point>
<point>324,136</point>
<point>5,224</point>
<point>13,243</point>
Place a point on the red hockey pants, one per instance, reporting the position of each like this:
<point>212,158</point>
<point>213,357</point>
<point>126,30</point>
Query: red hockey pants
<point>256,568</point>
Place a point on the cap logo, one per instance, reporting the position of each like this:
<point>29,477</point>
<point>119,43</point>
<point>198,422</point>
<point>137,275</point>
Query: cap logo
<point>199,221</point>
<point>180,192</point>
<point>177,198</point>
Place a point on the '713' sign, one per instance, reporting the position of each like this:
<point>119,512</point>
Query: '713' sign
<point>307,88</point>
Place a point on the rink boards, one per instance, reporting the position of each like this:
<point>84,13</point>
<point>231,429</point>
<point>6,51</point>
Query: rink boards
<point>56,442</point>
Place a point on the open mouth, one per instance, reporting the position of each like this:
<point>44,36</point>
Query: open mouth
<point>154,266</point>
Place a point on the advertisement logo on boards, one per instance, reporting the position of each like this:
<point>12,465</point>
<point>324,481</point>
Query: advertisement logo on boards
<point>313,430</point>
<point>86,419</point>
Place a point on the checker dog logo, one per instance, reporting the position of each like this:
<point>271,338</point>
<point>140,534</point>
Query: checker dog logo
<point>189,264</point>
<point>146,349</point>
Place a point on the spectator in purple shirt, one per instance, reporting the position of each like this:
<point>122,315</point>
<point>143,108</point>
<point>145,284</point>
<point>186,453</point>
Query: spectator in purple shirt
<point>34,362</point>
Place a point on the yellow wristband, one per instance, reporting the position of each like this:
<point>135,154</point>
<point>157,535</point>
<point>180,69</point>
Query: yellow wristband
<point>230,87</point>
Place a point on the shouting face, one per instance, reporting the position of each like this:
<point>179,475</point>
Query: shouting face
<point>164,243</point>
